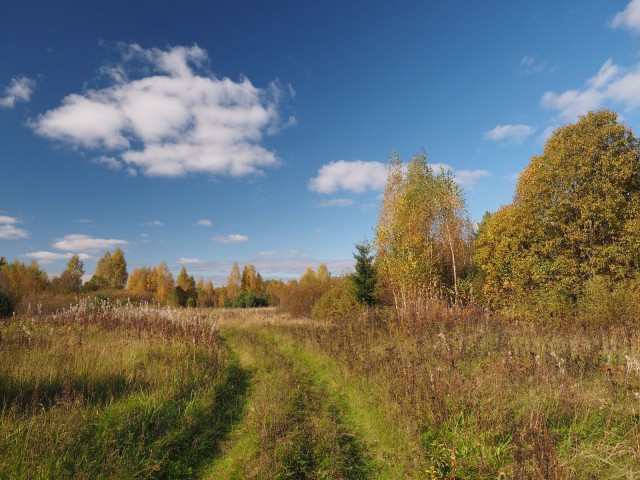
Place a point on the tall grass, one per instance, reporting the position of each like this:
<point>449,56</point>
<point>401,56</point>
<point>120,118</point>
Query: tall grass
<point>484,398</point>
<point>100,391</point>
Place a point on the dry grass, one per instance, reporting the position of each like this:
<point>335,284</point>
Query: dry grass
<point>481,398</point>
<point>100,391</point>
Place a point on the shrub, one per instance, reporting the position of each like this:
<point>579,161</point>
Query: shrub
<point>250,300</point>
<point>298,299</point>
<point>606,302</point>
<point>337,304</point>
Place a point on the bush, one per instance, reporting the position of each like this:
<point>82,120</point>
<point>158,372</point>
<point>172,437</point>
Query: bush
<point>6,305</point>
<point>298,298</point>
<point>250,300</point>
<point>608,302</point>
<point>337,304</point>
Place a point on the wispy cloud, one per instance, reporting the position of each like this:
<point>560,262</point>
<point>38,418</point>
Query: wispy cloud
<point>531,65</point>
<point>628,18</point>
<point>11,232</point>
<point>154,223</point>
<point>5,219</point>
<point>355,176</point>
<point>546,134</point>
<point>78,242</point>
<point>204,223</point>
<point>336,202</point>
<point>469,178</point>
<point>612,84</point>
<point>109,162</point>
<point>176,119</point>
<point>8,230</point>
<point>512,134</point>
<point>230,238</point>
<point>50,257</point>
<point>19,90</point>
<point>285,253</point>
<point>466,178</point>
<point>189,261</point>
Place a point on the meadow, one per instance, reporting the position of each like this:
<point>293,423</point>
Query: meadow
<point>113,392</point>
<point>135,391</point>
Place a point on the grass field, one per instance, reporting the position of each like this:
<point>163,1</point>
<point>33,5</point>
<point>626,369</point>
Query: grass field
<point>138,392</point>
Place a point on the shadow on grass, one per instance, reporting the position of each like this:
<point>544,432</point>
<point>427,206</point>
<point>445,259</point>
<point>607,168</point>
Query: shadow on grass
<point>205,427</point>
<point>167,438</point>
<point>20,395</point>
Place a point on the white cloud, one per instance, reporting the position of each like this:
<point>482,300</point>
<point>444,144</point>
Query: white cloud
<point>20,90</point>
<point>531,65</point>
<point>189,261</point>
<point>629,18</point>
<point>176,120</point>
<point>356,176</point>
<point>50,257</point>
<point>109,162</point>
<point>468,178</point>
<point>231,238</point>
<point>79,242</point>
<point>204,223</point>
<point>513,134</point>
<point>612,84</point>
<point>154,223</point>
<point>10,232</point>
<point>278,253</point>
<point>336,202</point>
<point>5,219</point>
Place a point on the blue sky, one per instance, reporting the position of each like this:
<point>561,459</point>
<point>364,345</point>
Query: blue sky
<point>206,132</point>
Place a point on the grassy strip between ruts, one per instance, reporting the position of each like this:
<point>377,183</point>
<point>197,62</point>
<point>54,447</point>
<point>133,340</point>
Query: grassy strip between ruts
<point>293,426</point>
<point>391,451</point>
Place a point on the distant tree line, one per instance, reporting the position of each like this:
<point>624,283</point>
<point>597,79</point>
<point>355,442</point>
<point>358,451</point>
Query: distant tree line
<point>26,286</point>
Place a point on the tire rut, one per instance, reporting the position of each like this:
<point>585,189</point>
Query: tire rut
<point>292,428</point>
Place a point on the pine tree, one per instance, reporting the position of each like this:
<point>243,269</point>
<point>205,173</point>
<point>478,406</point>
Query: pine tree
<point>364,280</point>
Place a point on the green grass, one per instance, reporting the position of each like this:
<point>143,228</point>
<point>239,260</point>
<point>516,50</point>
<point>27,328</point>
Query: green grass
<point>110,399</point>
<point>293,428</point>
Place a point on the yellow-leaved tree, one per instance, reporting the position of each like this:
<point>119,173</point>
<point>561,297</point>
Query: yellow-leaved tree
<point>234,282</point>
<point>575,216</point>
<point>423,236</point>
